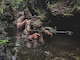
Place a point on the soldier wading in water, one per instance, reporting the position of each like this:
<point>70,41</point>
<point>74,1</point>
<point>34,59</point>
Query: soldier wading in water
<point>33,30</point>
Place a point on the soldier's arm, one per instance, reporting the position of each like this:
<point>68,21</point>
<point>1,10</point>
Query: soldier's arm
<point>46,31</point>
<point>19,25</point>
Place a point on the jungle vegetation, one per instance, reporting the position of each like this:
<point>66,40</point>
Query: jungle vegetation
<point>42,7</point>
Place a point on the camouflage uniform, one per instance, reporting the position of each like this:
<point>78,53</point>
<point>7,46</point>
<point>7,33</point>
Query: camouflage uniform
<point>37,25</point>
<point>33,30</point>
<point>35,36</point>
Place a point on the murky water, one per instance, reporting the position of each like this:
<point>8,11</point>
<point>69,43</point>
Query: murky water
<point>58,47</point>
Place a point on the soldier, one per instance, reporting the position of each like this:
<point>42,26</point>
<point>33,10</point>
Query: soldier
<point>18,22</point>
<point>32,30</point>
<point>22,18</point>
<point>36,24</point>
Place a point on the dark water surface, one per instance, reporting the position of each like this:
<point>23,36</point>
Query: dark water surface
<point>58,47</point>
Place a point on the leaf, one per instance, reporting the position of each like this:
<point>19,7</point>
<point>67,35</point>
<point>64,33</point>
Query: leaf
<point>3,41</point>
<point>1,10</point>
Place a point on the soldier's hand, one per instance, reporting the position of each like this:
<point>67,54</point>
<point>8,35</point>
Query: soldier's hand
<point>49,33</point>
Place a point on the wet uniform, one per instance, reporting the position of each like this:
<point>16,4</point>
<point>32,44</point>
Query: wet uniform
<point>36,27</point>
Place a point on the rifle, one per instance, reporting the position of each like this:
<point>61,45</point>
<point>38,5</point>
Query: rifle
<point>59,32</point>
<point>54,31</point>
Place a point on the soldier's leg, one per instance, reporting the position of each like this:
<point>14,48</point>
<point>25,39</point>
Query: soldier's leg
<point>27,40</point>
<point>26,32</point>
<point>35,43</point>
<point>34,38</point>
<point>41,39</point>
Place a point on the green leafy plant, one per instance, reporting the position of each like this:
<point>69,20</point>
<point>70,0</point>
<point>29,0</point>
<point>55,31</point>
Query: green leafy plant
<point>41,13</point>
<point>62,7</point>
<point>1,10</point>
<point>3,41</point>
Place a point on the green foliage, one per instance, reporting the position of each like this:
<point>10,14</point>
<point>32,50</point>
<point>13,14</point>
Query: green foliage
<point>62,7</point>
<point>41,13</point>
<point>17,4</point>
<point>1,10</point>
<point>3,41</point>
